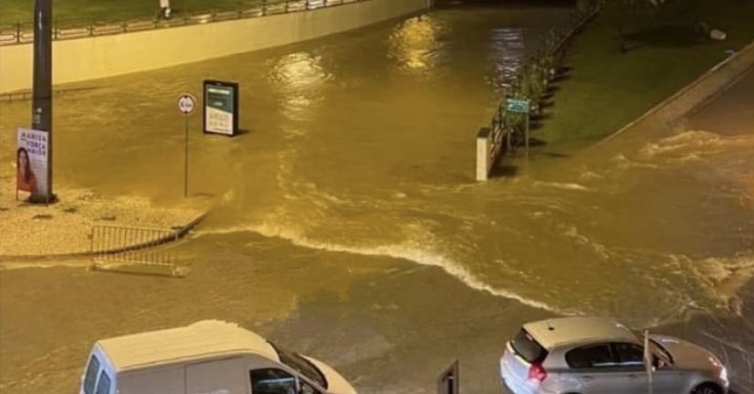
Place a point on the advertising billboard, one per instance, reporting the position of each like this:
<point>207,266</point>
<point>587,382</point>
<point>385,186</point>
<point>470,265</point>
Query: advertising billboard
<point>32,159</point>
<point>220,107</point>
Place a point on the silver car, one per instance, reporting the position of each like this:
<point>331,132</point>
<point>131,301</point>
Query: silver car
<point>593,355</point>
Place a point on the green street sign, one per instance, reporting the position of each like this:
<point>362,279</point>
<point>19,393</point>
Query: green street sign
<point>519,106</point>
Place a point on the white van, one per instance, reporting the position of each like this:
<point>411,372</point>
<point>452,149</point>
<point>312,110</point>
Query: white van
<point>207,357</point>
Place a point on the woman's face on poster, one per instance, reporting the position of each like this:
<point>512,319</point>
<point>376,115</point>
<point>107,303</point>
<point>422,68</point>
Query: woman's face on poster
<point>23,160</point>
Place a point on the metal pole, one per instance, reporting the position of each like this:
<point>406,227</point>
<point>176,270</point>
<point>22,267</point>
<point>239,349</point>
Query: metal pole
<point>185,160</point>
<point>508,142</point>
<point>648,362</point>
<point>527,133</point>
<point>41,115</point>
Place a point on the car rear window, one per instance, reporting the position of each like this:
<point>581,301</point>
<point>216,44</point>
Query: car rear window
<point>528,348</point>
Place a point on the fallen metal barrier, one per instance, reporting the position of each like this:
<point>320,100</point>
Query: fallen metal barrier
<point>130,250</point>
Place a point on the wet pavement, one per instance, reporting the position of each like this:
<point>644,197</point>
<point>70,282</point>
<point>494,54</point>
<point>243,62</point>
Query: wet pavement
<point>350,228</point>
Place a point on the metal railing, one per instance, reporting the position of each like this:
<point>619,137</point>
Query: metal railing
<point>532,78</point>
<point>131,250</point>
<point>120,239</point>
<point>22,32</point>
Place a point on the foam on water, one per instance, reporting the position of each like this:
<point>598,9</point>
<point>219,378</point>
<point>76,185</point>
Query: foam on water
<point>625,163</point>
<point>695,144</point>
<point>405,251</point>
<point>727,276</point>
<point>682,144</point>
<point>562,185</point>
<point>718,278</point>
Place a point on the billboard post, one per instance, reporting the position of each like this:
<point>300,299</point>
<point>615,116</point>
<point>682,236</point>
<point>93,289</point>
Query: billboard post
<point>41,109</point>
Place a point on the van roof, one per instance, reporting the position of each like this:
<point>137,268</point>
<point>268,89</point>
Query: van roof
<point>202,340</point>
<point>552,333</point>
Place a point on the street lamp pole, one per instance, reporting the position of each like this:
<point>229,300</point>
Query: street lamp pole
<point>41,115</point>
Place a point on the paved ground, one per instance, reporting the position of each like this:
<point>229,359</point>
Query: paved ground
<point>65,228</point>
<point>732,113</point>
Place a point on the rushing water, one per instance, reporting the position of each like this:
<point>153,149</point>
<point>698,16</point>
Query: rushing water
<point>364,143</point>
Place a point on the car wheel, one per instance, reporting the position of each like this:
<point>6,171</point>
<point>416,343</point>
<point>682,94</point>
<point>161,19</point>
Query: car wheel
<point>706,388</point>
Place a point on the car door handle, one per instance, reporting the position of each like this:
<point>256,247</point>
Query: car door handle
<point>587,378</point>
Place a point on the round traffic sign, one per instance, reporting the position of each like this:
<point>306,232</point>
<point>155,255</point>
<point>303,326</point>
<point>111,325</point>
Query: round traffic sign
<point>186,103</point>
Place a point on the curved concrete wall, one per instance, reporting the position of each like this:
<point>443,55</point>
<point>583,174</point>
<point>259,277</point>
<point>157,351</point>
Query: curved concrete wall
<point>105,56</point>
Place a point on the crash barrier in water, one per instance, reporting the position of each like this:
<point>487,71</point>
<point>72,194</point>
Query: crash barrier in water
<point>23,32</point>
<point>510,123</point>
<point>447,382</point>
<point>130,250</point>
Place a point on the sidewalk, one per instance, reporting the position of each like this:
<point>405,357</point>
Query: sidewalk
<point>64,229</point>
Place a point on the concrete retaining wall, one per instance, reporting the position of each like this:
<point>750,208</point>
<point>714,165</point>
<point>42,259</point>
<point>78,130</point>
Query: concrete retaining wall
<point>105,56</point>
<point>694,95</point>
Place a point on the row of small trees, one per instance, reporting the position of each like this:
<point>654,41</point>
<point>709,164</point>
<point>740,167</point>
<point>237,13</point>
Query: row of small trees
<point>538,71</point>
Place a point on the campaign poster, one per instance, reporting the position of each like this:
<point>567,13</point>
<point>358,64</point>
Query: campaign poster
<point>32,159</point>
<point>220,107</point>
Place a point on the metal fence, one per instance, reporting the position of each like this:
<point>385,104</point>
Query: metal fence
<point>131,250</point>
<point>532,78</point>
<point>23,32</point>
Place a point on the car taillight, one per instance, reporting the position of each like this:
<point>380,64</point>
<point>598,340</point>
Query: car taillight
<point>536,372</point>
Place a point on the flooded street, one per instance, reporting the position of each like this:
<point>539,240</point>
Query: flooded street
<point>348,223</point>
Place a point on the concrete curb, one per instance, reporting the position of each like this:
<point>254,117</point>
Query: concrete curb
<point>179,234</point>
<point>694,95</point>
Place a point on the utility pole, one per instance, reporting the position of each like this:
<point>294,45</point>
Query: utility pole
<point>41,115</point>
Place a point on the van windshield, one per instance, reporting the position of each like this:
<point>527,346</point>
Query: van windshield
<point>300,364</point>
<point>91,375</point>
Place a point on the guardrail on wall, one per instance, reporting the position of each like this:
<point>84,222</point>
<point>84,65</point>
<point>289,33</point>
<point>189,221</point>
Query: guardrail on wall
<point>22,32</point>
<point>506,129</point>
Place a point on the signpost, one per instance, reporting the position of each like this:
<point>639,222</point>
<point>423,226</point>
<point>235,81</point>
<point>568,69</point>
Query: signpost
<point>648,361</point>
<point>220,107</point>
<point>521,107</point>
<point>186,105</point>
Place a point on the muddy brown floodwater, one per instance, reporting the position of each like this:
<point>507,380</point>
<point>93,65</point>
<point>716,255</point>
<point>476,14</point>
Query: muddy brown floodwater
<point>349,226</point>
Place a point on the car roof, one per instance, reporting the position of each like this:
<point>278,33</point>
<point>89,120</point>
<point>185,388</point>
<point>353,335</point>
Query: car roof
<point>552,333</point>
<point>199,341</point>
